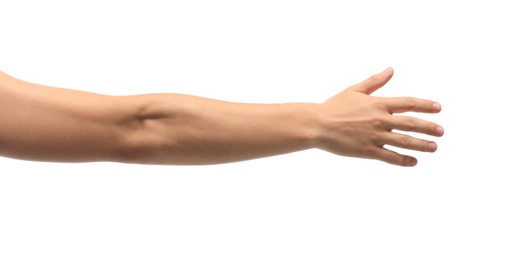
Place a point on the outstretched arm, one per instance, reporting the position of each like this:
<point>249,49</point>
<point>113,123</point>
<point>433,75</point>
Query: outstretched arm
<point>62,125</point>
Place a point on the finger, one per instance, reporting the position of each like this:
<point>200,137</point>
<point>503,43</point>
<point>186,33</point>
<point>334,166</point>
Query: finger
<point>375,82</point>
<point>412,124</point>
<point>410,104</point>
<point>409,142</point>
<point>394,158</point>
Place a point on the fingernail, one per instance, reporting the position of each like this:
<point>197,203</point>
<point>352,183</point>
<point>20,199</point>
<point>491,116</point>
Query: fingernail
<point>387,71</point>
<point>432,146</point>
<point>437,107</point>
<point>440,130</point>
<point>413,162</point>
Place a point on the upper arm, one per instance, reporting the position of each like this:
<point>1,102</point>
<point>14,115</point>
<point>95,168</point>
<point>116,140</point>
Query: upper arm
<point>55,124</point>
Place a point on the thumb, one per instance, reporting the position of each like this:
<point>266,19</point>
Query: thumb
<point>374,82</point>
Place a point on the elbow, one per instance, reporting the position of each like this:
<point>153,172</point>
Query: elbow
<point>145,135</point>
<point>143,148</point>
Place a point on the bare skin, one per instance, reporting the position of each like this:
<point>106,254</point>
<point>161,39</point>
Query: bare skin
<point>43,123</point>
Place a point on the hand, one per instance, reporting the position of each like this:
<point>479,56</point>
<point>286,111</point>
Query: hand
<point>359,125</point>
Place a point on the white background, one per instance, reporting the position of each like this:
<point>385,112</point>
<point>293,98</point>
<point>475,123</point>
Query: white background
<point>304,205</point>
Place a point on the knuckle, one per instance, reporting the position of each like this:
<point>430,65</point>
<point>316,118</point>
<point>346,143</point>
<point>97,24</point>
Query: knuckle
<point>428,105</point>
<point>380,103</point>
<point>393,159</point>
<point>410,103</point>
<point>374,79</point>
<point>410,123</point>
<point>378,120</point>
<point>405,161</point>
<point>368,150</point>
<point>374,137</point>
<point>405,141</point>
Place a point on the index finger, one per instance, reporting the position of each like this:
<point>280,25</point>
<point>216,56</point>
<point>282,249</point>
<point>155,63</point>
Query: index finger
<point>410,104</point>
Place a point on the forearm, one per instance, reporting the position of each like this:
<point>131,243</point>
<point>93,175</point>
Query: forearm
<point>182,129</point>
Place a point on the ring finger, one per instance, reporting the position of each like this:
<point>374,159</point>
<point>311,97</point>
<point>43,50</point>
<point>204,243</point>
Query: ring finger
<point>409,142</point>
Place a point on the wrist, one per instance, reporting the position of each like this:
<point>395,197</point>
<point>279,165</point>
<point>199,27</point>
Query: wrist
<point>309,129</point>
